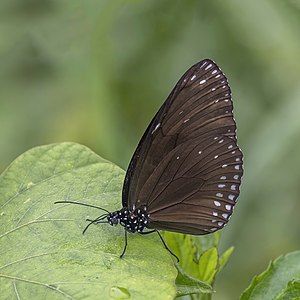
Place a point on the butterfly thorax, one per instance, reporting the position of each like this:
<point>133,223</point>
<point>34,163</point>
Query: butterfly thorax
<point>133,220</point>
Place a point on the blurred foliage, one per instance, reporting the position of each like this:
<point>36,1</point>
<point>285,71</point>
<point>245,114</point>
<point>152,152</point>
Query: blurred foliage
<point>200,260</point>
<point>279,282</point>
<point>95,72</point>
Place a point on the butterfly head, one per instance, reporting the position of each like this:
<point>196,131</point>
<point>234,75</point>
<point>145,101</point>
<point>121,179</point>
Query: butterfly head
<point>113,218</point>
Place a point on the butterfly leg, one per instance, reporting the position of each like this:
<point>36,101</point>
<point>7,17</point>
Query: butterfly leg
<point>166,246</point>
<point>147,232</point>
<point>125,245</point>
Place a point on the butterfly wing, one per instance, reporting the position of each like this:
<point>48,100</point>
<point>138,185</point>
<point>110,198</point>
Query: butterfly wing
<point>187,166</point>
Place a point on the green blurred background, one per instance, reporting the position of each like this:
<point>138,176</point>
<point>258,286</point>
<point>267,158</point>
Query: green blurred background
<point>95,72</point>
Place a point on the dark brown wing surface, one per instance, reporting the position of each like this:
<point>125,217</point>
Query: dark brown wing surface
<point>187,167</point>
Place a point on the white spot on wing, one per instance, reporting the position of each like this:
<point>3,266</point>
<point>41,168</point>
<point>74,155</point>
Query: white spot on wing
<point>208,67</point>
<point>217,203</point>
<point>223,177</point>
<point>233,187</point>
<point>186,120</point>
<point>237,167</point>
<point>231,197</point>
<point>220,195</point>
<point>215,213</point>
<point>156,127</point>
<point>193,77</point>
<point>202,81</point>
<point>225,216</point>
<point>236,177</point>
<point>214,72</point>
<point>222,185</point>
<point>203,64</point>
<point>224,166</point>
<point>228,207</point>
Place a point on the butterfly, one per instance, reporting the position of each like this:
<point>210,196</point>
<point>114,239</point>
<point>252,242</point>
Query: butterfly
<point>185,173</point>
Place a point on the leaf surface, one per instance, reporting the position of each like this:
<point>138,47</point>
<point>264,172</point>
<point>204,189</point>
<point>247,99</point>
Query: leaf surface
<point>279,281</point>
<point>42,249</point>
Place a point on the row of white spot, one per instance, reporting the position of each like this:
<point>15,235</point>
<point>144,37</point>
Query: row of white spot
<point>222,185</point>
<point>223,166</point>
<point>219,224</point>
<point>220,195</point>
<point>224,215</point>
<point>207,68</point>
<point>235,177</point>
<point>227,206</point>
<point>237,167</point>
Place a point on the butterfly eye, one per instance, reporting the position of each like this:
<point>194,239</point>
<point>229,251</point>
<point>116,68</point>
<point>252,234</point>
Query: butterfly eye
<point>114,220</point>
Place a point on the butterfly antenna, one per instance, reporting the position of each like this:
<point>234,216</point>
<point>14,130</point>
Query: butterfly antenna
<point>96,221</point>
<point>82,204</point>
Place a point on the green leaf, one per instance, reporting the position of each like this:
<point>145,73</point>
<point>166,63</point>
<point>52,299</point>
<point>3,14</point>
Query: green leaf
<point>187,285</point>
<point>183,246</point>
<point>224,258</point>
<point>208,263</point>
<point>207,241</point>
<point>277,281</point>
<point>199,259</point>
<point>292,291</point>
<point>43,251</point>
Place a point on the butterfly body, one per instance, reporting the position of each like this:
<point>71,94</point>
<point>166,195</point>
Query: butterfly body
<point>132,220</point>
